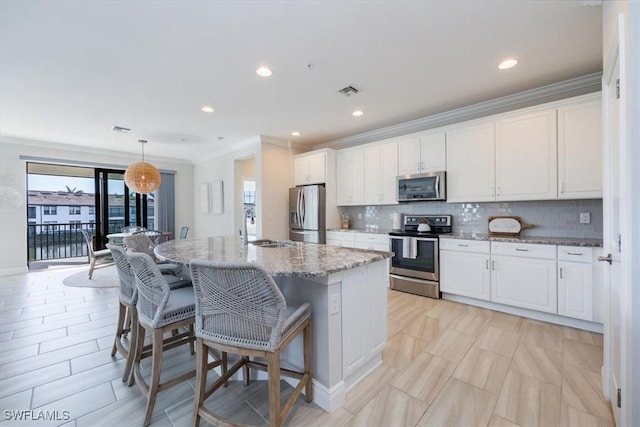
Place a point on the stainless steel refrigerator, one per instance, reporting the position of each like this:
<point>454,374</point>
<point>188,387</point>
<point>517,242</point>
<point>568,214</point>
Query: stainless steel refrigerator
<point>307,214</point>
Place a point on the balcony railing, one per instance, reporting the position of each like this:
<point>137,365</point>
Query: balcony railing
<point>57,241</point>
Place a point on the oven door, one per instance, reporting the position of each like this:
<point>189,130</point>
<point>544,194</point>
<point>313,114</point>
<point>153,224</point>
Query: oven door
<point>415,257</point>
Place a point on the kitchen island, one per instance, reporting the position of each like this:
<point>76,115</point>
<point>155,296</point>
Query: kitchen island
<point>347,289</point>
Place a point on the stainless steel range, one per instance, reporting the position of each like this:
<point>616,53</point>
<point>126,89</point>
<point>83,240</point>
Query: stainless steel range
<point>415,265</point>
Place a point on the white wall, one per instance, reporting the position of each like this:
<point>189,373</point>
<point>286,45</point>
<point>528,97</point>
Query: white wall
<point>13,223</point>
<point>276,176</point>
<point>273,174</point>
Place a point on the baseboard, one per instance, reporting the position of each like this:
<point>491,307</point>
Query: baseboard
<point>531,314</point>
<point>13,271</point>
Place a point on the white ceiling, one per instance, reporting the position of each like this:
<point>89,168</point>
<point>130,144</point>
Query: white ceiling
<point>71,70</point>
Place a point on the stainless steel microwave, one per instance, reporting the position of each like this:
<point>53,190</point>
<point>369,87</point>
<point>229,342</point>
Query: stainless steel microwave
<point>420,187</point>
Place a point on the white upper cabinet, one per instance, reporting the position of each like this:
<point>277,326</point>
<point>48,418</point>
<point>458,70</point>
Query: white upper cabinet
<point>422,153</point>
<point>380,172</point>
<point>310,168</point>
<point>526,156</point>
<point>350,173</point>
<point>580,150</point>
<point>471,163</point>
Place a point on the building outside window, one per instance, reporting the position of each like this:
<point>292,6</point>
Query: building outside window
<point>31,212</point>
<point>74,210</point>
<point>50,210</point>
<point>50,226</point>
<point>92,210</point>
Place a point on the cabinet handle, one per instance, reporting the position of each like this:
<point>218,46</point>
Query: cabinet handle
<point>491,192</point>
<point>487,264</point>
<point>562,187</point>
<point>574,253</point>
<point>462,246</point>
<point>497,191</point>
<point>493,265</point>
<point>419,167</point>
<point>561,272</point>
<point>522,250</point>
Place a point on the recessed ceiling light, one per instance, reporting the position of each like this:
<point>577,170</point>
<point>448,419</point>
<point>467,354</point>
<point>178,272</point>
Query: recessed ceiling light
<point>508,63</point>
<point>295,133</point>
<point>207,109</point>
<point>357,113</point>
<point>264,71</point>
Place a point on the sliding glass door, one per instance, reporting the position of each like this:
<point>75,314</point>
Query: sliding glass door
<point>117,206</point>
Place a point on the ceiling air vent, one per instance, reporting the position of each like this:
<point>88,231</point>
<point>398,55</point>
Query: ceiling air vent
<point>348,91</point>
<point>120,129</point>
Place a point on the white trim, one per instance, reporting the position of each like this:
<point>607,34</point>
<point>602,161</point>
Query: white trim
<point>81,163</point>
<point>530,314</point>
<point>553,92</point>
<point>13,271</point>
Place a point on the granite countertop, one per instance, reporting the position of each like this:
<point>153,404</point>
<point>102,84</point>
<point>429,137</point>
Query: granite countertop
<point>563,241</point>
<point>361,230</point>
<point>293,259</point>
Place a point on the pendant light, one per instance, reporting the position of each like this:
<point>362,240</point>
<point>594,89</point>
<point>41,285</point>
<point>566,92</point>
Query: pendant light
<point>142,177</point>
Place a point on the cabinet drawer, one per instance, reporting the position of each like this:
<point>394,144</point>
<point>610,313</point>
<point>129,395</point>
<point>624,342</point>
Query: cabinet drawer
<point>575,254</point>
<point>526,250</point>
<point>476,246</point>
<point>372,239</point>
<point>341,238</point>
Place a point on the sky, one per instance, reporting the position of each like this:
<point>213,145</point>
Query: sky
<point>60,183</point>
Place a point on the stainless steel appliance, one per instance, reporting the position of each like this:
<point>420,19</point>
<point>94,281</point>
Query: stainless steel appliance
<point>307,214</point>
<point>415,264</point>
<point>424,186</point>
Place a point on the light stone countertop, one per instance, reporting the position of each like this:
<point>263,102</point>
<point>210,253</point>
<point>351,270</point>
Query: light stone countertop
<point>562,241</point>
<point>296,259</point>
<point>361,230</point>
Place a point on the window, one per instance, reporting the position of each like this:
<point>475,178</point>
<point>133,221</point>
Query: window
<point>31,212</point>
<point>92,210</point>
<point>74,210</point>
<point>50,210</point>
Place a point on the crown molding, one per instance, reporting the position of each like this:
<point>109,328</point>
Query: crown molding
<point>553,92</point>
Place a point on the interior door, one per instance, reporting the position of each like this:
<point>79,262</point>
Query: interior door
<point>611,212</point>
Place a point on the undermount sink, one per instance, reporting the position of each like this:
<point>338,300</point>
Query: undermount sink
<point>268,243</point>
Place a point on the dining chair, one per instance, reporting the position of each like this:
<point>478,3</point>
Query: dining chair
<point>132,229</point>
<point>159,310</point>
<point>156,236</point>
<point>127,316</point>
<point>239,309</point>
<point>142,243</point>
<point>99,258</point>
<point>183,232</point>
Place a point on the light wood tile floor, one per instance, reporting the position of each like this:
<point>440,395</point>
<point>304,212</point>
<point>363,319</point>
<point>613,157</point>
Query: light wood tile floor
<point>445,364</point>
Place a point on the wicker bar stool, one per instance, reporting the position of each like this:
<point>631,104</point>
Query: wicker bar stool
<point>159,310</point>
<point>127,315</point>
<point>143,243</point>
<point>240,310</point>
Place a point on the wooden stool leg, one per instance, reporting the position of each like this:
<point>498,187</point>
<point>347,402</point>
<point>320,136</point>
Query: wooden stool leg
<point>133,345</point>
<point>307,361</point>
<point>127,323</point>
<point>91,267</point>
<point>273,370</point>
<point>120,328</point>
<point>192,335</point>
<point>245,371</point>
<point>201,378</point>
<point>156,369</point>
<point>138,353</point>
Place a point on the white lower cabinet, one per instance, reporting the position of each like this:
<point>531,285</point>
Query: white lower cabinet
<point>575,282</point>
<point>524,275</point>
<point>524,282</point>
<point>369,315</point>
<point>464,268</point>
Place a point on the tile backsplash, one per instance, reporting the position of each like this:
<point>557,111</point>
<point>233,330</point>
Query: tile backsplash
<point>551,218</point>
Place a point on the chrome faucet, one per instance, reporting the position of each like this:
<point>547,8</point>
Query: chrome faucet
<point>245,238</point>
